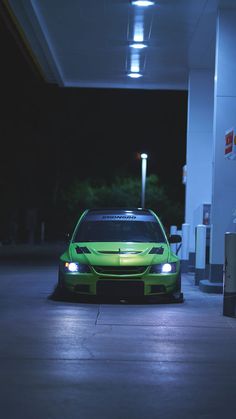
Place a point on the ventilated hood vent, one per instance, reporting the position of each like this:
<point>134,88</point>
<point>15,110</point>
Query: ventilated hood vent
<point>82,250</point>
<point>157,251</point>
<point>119,252</point>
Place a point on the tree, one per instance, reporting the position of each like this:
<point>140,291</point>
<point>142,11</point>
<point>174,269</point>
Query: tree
<point>122,192</point>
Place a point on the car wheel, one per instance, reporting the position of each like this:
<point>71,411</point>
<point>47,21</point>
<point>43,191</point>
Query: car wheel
<point>178,283</point>
<point>60,283</point>
<point>178,296</point>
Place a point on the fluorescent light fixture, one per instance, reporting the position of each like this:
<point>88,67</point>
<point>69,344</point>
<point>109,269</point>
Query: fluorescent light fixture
<point>143,3</point>
<point>139,32</point>
<point>135,62</point>
<point>134,68</point>
<point>135,75</point>
<point>144,156</point>
<point>138,46</point>
<point>138,37</point>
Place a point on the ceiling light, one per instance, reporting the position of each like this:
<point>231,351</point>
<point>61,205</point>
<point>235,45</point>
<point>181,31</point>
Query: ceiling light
<point>138,46</point>
<point>135,75</point>
<point>143,3</point>
<point>138,37</point>
<point>134,68</point>
<point>138,29</point>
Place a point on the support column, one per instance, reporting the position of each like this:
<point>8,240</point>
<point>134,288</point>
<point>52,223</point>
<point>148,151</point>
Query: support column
<point>224,171</point>
<point>199,149</point>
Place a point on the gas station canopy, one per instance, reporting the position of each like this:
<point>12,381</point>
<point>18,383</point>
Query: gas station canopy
<point>118,43</point>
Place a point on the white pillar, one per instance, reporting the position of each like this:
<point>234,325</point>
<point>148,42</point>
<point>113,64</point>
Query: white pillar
<point>144,173</point>
<point>229,306</point>
<point>224,171</point>
<point>185,247</point>
<point>199,148</point>
<point>173,230</point>
<point>200,264</point>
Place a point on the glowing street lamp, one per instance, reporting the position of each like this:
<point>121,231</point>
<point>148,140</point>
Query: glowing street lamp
<point>144,173</point>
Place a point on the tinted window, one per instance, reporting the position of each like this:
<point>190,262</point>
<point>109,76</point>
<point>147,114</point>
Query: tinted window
<point>91,230</point>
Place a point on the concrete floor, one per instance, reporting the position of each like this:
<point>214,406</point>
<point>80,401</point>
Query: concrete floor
<point>88,361</point>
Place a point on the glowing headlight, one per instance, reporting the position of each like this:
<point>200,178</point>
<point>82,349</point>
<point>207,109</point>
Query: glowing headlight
<point>81,268</point>
<point>163,268</point>
<point>166,268</point>
<point>72,267</point>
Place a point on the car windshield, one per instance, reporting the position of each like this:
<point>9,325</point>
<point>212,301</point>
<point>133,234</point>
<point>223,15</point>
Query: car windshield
<point>92,230</point>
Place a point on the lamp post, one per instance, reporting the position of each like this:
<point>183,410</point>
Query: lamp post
<point>144,172</point>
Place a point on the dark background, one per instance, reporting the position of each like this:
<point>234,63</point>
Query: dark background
<point>50,136</point>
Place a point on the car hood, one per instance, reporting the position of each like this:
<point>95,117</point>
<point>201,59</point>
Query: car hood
<point>119,254</point>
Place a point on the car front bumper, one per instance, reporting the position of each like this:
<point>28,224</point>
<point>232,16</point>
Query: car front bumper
<point>146,285</point>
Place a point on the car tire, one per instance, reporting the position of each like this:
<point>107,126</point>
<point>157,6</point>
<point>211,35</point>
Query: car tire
<point>178,283</point>
<point>178,296</point>
<point>60,292</point>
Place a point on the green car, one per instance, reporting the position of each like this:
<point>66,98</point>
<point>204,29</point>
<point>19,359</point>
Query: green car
<point>122,253</point>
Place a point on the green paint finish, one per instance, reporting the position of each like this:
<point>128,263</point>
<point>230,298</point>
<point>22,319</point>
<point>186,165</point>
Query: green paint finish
<point>119,261</point>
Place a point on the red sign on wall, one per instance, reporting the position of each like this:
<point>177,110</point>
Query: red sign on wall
<point>230,144</point>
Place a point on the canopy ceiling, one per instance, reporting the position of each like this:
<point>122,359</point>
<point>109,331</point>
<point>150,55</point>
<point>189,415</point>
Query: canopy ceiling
<point>86,43</point>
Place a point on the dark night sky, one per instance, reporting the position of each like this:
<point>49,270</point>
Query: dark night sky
<point>49,132</point>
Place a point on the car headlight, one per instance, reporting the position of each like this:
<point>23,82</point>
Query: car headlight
<point>163,268</point>
<point>72,267</point>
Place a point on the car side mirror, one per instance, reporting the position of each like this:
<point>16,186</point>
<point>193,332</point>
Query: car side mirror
<point>175,238</point>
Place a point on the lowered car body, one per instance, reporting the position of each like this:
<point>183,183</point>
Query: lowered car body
<point>123,253</point>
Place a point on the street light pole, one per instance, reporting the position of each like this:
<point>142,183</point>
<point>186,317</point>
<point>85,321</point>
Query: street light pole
<point>144,172</point>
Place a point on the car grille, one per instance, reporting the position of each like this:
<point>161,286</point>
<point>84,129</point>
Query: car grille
<point>120,270</point>
<point>120,288</point>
